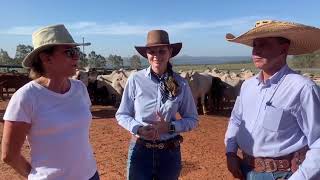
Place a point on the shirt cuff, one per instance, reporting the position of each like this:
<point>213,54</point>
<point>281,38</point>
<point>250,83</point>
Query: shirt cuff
<point>177,126</point>
<point>231,146</point>
<point>135,129</point>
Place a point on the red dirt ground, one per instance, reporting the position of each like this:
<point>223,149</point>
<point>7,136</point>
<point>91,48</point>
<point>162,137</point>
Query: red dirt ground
<point>202,150</point>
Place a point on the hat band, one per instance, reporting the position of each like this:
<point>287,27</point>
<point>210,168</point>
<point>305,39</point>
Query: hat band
<point>157,43</point>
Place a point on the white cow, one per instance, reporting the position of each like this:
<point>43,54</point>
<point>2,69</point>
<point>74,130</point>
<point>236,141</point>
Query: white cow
<point>232,87</point>
<point>246,74</point>
<point>200,84</point>
<point>86,75</point>
<point>115,83</point>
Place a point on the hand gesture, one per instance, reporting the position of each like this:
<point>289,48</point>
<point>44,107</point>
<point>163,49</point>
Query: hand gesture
<point>161,126</point>
<point>147,132</point>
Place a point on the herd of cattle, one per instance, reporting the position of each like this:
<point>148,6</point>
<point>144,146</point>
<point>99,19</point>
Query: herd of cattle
<point>213,89</point>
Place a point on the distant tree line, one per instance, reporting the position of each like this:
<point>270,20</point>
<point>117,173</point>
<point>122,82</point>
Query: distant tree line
<point>311,60</point>
<point>92,60</point>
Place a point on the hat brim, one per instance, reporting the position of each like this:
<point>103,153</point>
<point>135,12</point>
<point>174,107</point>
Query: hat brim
<point>29,59</point>
<point>303,39</point>
<point>176,47</point>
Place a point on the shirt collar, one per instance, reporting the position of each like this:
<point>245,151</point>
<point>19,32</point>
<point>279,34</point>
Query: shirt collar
<point>148,73</point>
<point>274,79</point>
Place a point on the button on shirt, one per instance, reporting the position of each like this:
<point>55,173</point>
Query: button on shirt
<point>278,117</point>
<point>141,101</point>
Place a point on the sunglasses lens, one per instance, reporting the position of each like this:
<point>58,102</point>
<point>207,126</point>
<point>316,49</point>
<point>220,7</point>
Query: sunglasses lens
<point>72,52</point>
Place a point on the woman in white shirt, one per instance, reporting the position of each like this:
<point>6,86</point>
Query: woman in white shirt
<point>52,111</point>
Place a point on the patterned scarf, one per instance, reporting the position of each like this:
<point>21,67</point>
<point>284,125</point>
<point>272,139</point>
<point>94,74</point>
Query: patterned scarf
<point>165,94</point>
<point>169,87</point>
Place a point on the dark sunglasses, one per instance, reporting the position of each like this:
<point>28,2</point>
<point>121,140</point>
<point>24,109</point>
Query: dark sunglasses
<point>72,52</point>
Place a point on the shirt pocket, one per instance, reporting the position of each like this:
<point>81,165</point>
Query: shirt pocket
<point>272,118</point>
<point>170,108</point>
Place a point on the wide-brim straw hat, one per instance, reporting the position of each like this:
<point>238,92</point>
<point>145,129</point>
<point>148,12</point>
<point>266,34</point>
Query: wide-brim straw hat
<point>158,38</point>
<point>48,37</point>
<point>303,39</point>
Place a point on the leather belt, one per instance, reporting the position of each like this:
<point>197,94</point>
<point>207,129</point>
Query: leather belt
<point>289,162</point>
<point>166,144</point>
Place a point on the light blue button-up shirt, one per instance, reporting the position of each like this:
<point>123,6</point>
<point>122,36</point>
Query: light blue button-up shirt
<point>278,117</point>
<point>141,101</point>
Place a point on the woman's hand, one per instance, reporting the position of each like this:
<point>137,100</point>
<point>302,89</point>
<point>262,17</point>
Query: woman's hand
<point>147,132</point>
<point>162,126</point>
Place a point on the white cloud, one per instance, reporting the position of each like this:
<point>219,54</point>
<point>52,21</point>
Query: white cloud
<point>124,28</point>
<point>19,30</point>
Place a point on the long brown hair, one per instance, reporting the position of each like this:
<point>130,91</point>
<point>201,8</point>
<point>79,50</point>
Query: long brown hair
<point>171,83</point>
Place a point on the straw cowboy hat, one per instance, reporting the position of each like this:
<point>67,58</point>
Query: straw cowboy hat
<point>158,38</point>
<point>47,37</point>
<point>303,39</point>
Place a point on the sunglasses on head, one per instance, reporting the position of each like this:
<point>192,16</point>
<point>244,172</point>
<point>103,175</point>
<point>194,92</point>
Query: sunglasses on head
<point>72,52</point>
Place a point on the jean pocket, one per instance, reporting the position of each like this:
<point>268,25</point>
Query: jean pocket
<point>272,118</point>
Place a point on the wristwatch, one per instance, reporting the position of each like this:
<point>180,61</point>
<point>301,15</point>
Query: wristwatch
<point>172,128</point>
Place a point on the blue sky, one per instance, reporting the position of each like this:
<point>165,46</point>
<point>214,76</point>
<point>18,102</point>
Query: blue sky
<point>115,27</point>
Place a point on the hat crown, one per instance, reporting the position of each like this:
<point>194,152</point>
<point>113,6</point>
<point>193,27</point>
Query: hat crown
<point>56,34</point>
<point>157,37</point>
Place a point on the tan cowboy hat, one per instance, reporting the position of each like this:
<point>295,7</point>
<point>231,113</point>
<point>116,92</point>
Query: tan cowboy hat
<point>303,39</point>
<point>47,37</point>
<point>158,38</point>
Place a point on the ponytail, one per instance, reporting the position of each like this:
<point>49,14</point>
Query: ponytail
<point>171,83</point>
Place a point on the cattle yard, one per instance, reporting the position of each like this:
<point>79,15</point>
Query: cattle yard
<point>219,83</point>
<point>202,150</point>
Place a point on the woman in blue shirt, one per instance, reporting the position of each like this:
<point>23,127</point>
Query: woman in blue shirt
<point>150,102</point>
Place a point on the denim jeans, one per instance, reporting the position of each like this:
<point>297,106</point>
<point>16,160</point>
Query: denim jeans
<point>152,163</point>
<point>95,176</point>
<point>252,175</point>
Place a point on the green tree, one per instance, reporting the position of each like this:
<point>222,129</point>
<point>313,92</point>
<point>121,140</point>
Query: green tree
<point>21,52</point>
<point>96,60</point>
<point>83,62</point>
<point>5,59</point>
<point>116,61</point>
<point>135,62</point>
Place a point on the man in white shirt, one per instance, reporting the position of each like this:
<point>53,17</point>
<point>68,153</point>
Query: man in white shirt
<point>275,120</point>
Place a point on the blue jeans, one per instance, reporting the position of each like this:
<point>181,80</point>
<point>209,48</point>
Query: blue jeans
<point>152,163</point>
<point>95,176</point>
<point>253,175</point>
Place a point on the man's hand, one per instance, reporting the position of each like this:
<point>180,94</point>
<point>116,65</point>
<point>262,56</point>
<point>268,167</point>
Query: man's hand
<point>233,163</point>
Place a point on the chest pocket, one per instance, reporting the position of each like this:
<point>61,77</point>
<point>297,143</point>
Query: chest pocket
<point>170,108</point>
<point>272,118</point>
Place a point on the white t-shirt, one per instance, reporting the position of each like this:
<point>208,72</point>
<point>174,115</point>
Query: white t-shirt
<point>59,134</point>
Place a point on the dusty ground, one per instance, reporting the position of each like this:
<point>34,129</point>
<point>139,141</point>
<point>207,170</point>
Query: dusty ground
<point>202,150</point>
